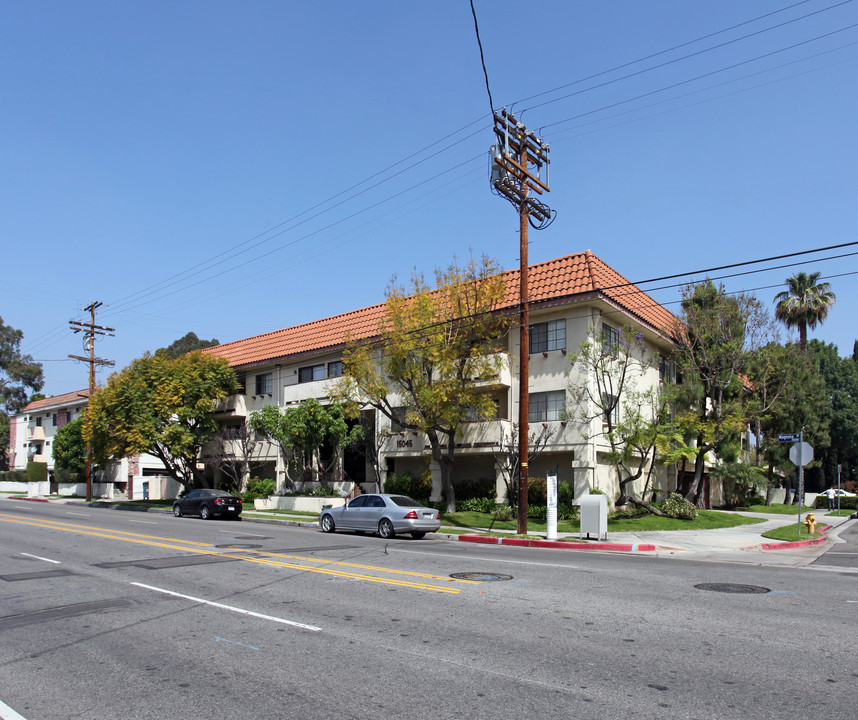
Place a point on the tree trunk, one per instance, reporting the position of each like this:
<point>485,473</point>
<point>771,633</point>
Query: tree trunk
<point>695,492</point>
<point>644,504</point>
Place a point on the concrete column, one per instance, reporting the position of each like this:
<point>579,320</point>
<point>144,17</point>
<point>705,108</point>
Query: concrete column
<point>500,484</point>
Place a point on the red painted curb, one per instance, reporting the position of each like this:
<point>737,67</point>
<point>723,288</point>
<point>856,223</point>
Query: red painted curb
<point>29,499</point>
<point>556,545</point>
<point>798,543</point>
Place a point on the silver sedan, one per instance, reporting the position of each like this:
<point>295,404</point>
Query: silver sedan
<point>385,514</point>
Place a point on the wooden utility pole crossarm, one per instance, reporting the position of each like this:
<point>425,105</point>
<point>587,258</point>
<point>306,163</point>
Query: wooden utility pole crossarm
<point>516,150</point>
<point>90,330</point>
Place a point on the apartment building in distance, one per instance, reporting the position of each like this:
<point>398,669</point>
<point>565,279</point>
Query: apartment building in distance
<point>571,298</point>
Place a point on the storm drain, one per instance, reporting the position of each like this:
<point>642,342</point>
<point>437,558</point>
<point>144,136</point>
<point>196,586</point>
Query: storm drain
<point>480,576</point>
<point>733,588</point>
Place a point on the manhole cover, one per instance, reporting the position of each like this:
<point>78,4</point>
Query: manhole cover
<point>480,576</point>
<point>733,588</point>
<point>238,546</point>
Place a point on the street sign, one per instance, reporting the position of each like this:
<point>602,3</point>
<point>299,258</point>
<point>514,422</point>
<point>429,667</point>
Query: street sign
<point>789,437</point>
<point>801,454</point>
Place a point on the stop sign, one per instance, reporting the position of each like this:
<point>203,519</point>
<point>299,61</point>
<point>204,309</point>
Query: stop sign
<point>801,454</point>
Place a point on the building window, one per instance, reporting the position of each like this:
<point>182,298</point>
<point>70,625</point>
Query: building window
<point>335,369</point>
<point>54,419</point>
<point>666,370</point>
<point>39,421</point>
<point>612,410</point>
<point>311,373</point>
<point>264,384</point>
<point>610,339</point>
<point>545,406</point>
<point>242,385</point>
<point>547,336</point>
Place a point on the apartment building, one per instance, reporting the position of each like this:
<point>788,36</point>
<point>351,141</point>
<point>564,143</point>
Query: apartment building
<point>32,433</point>
<point>572,297</point>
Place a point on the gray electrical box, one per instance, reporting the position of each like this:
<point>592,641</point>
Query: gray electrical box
<point>594,516</point>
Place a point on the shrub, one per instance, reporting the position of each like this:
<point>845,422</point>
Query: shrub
<point>419,488</point>
<point>258,488</point>
<point>37,472</point>
<point>567,511</point>
<point>323,492</point>
<point>13,476</point>
<point>468,489</point>
<point>537,491</point>
<point>846,503</point>
<point>482,505</point>
<point>537,512</point>
<point>678,507</point>
<point>502,513</point>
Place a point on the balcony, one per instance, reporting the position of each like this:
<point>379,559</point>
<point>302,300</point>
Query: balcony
<point>35,433</point>
<point>235,406</point>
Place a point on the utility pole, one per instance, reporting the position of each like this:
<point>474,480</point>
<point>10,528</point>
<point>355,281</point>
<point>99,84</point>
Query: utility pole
<point>517,150</point>
<point>90,330</point>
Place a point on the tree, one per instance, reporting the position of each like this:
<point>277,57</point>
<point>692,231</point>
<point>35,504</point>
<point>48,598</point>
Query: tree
<point>230,451</point>
<point>186,344</point>
<point>69,448</point>
<point>607,393</point>
<point>161,406</point>
<point>18,374</point>
<point>716,334</point>
<point>840,378</point>
<point>784,393</point>
<point>804,304</point>
<point>508,457</point>
<point>436,350</point>
<point>310,436</point>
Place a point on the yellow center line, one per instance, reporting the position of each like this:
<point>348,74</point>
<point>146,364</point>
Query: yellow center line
<point>324,561</point>
<point>153,541</point>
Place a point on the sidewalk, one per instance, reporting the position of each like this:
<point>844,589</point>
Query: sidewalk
<point>743,541</point>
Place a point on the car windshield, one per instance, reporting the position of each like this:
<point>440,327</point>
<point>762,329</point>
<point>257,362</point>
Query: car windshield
<point>219,493</point>
<point>404,501</point>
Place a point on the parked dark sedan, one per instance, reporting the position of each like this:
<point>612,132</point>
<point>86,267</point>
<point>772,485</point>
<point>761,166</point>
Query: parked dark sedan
<point>207,504</point>
<point>384,514</point>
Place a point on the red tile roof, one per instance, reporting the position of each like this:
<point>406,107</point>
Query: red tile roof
<point>58,400</point>
<point>583,275</point>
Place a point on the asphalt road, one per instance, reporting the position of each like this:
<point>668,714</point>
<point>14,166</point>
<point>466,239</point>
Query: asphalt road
<point>112,614</point>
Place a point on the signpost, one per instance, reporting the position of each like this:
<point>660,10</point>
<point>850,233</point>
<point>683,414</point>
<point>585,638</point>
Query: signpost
<point>800,454</point>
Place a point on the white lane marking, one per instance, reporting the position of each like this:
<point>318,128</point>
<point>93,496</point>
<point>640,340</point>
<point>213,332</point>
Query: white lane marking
<point>230,607</point>
<point>144,522</point>
<point>78,514</point>
<point>7,713</point>
<point>56,562</point>
<point>23,507</point>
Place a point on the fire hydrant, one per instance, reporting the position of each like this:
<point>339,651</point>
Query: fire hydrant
<point>810,523</point>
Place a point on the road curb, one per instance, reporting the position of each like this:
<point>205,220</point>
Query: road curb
<point>782,545</point>
<point>557,545</point>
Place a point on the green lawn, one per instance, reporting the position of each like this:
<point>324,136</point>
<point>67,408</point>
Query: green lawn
<point>776,509</point>
<point>790,533</point>
<point>706,520</point>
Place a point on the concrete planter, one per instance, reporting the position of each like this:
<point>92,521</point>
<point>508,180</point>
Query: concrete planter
<point>298,502</point>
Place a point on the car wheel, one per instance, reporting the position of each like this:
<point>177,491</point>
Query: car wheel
<point>177,511</point>
<point>418,536</point>
<point>385,529</point>
<point>328,524</point>
<point>205,513</point>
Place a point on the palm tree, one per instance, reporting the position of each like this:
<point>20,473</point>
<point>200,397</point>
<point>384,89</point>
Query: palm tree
<point>804,304</point>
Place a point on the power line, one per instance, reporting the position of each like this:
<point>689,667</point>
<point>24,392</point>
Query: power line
<point>482,59</point>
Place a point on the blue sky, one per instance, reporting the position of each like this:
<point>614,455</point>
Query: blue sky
<point>233,168</point>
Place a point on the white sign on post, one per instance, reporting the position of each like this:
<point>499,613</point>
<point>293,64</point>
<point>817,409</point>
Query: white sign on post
<point>551,503</point>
